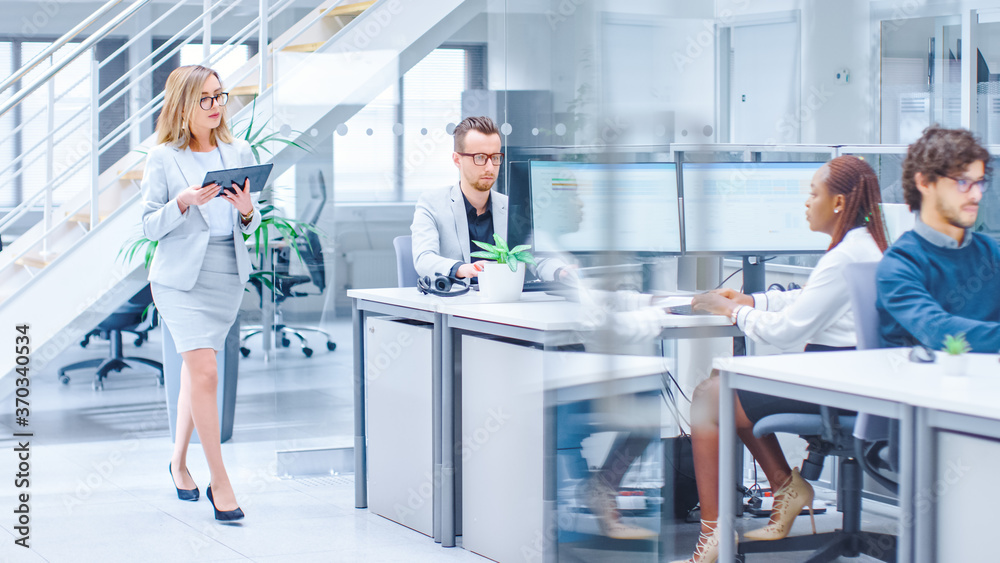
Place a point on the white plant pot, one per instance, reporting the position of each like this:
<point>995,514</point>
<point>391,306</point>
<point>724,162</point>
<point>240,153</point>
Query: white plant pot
<point>953,365</point>
<point>497,284</point>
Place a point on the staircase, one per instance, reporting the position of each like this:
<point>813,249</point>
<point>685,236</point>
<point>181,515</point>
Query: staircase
<point>63,275</point>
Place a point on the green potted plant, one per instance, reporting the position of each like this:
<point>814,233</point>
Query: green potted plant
<point>502,280</point>
<point>954,359</point>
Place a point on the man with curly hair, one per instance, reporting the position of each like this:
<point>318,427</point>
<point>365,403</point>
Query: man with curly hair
<point>941,278</point>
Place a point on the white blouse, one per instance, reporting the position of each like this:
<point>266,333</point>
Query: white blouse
<point>218,212</point>
<point>820,312</point>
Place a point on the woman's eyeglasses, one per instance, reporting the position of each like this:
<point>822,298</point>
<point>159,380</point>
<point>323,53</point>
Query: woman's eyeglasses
<point>206,102</point>
<point>479,158</point>
<point>965,185</point>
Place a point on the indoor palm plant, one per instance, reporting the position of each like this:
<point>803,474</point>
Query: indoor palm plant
<point>502,279</point>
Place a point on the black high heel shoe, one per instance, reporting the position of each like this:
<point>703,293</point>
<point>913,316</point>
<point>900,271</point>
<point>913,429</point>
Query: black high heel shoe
<point>183,494</point>
<point>225,516</point>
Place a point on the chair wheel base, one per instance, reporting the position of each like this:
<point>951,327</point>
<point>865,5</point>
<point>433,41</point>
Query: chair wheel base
<point>64,379</point>
<point>244,351</point>
<point>308,352</point>
<point>331,346</point>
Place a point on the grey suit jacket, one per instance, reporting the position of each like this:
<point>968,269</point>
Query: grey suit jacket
<point>440,232</point>
<point>183,238</point>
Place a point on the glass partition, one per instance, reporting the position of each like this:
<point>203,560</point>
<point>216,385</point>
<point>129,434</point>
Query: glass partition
<point>920,76</point>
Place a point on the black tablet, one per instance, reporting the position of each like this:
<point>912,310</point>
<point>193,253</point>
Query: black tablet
<point>226,178</point>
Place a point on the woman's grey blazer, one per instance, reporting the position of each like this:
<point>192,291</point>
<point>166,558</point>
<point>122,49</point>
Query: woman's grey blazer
<point>183,238</point>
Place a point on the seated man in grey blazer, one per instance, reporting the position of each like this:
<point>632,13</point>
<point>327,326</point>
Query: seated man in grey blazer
<point>447,220</point>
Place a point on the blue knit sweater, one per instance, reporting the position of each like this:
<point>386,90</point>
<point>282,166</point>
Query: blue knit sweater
<point>926,292</point>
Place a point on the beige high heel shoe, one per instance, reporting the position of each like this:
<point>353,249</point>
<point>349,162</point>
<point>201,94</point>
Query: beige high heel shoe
<point>789,500</point>
<point>707,549</point>
<point>601,499</point>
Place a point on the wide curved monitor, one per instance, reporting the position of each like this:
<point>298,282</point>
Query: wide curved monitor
<point>749,208</point>
<point>588,207</point>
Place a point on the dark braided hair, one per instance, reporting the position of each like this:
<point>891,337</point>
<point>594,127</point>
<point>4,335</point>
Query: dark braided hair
<point>854,179</point>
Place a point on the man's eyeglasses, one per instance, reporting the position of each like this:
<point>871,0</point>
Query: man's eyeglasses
<point>206,102</point>
<point>479,158</point>
<point>964,185</point>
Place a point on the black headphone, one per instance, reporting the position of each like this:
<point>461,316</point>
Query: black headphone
<point>441,286</point>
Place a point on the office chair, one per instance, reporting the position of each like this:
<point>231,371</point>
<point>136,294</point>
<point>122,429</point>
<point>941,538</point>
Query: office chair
<point>877,437</point>
<point>830,433</point>
<point>128,317</point>
<point>406,274</point>
<point>311,250</point>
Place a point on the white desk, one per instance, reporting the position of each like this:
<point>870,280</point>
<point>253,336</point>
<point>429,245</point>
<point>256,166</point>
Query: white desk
<point>882,382</point>
<point>538,318</point>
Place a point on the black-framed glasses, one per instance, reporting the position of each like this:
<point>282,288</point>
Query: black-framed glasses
<point>964,185</point>
<point>479,158</point>
<point>206,102</point>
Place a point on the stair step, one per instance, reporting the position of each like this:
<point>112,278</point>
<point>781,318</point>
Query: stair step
<point>304,48</point>
<point>33,261</point>
<point>83,217</point>
<point>251,90</point>
<point>132,175</point>
<point>350,9</point>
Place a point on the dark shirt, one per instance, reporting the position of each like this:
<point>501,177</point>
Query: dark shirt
<point>929,286</point>
<point>480,228</point>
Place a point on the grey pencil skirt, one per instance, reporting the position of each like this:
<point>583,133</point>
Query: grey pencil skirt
<point>202,316</point>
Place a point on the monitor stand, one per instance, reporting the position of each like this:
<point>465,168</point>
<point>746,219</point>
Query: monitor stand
<point>753,274</point>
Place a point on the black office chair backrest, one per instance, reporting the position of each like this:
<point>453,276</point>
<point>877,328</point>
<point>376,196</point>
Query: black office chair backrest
<point>130,314</point>
<point>860,278</point>
<point>317,200</point>
<point>312,255</point>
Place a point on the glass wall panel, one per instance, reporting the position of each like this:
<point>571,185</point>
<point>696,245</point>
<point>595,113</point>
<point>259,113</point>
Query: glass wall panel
<point>920,76</point>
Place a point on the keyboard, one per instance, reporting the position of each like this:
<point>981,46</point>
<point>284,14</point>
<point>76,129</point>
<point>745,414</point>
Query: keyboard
<point>685,310</point>
<point>539,285</point>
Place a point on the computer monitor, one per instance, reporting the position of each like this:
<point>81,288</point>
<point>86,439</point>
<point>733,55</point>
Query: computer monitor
<point>748,208</point>
<point>589,208</point>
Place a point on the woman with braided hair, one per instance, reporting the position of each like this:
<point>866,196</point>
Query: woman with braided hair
<point>843,202</point>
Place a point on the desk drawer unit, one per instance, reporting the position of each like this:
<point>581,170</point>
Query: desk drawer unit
<point>400,448</point>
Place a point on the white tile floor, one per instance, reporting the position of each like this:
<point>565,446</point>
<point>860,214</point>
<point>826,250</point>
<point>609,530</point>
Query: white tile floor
<point>100,489</point>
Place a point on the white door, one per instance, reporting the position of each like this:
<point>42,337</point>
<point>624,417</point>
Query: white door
<point>765,85</point>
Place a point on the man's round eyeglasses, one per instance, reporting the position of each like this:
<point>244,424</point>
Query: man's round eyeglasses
<point>479,158</point>
<point>206,102</point>
<point>964,185</point>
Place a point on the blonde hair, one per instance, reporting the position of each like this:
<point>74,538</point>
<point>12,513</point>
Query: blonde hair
<point>181,97</point>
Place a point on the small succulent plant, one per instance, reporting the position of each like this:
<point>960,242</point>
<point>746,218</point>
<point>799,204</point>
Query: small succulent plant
<point>956,344</point>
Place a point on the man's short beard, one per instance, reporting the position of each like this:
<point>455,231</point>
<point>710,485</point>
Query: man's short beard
<point>952,219</point>
<point>482,186</point>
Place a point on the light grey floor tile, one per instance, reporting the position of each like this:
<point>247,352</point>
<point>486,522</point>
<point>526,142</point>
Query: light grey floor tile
<point>100,489</point>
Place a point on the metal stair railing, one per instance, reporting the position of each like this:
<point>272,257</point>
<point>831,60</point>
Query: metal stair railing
<point>131,79</point>
<point>199,26</point>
